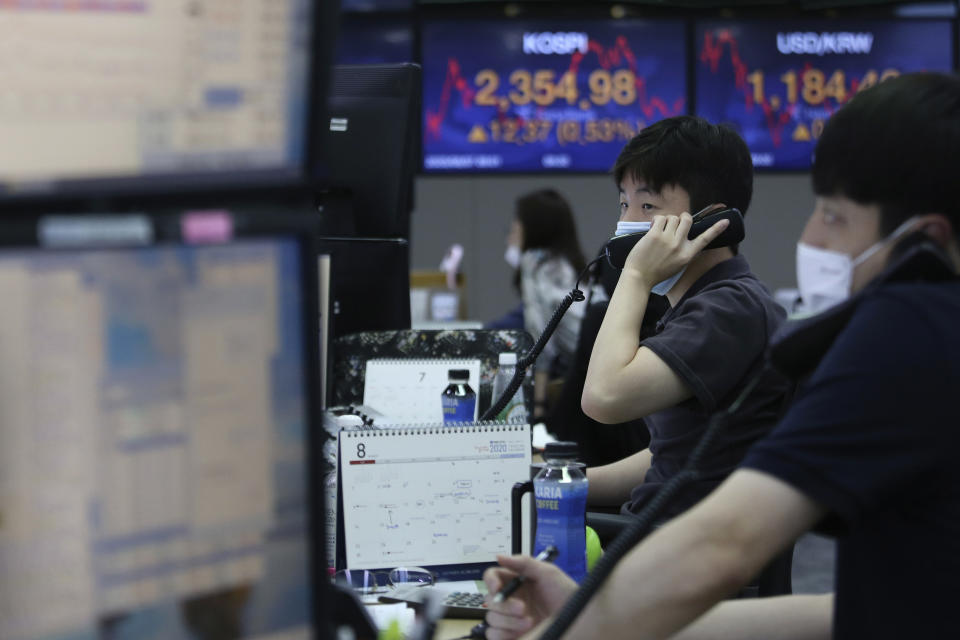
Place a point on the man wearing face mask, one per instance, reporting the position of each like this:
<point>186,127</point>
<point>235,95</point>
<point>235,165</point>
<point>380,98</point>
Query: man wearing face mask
<point>869,447</point>
<point>710,341</point>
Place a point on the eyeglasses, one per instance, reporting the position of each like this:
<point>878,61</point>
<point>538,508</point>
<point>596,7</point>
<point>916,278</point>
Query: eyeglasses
<point>366,582</point>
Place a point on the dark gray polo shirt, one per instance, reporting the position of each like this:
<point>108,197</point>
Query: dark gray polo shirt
<point>715,340</point>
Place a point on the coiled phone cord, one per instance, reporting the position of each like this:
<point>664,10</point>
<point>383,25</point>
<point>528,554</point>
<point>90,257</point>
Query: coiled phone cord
<point>524,362</point>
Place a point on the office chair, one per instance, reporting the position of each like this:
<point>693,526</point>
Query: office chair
<point>774,580</point>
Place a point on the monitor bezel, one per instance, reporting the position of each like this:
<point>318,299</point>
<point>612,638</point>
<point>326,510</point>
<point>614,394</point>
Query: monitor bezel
<point>24,233</point>
<point>117,192</point>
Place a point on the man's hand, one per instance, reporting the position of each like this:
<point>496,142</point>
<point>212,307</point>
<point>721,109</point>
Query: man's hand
<point>544,591</point>
<point>665,249</point>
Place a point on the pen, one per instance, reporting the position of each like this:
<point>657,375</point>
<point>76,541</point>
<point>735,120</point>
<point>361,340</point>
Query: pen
<point>547,555</point>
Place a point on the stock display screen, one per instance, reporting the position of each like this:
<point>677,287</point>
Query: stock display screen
<point>779,82</point>
<point>545,96</point>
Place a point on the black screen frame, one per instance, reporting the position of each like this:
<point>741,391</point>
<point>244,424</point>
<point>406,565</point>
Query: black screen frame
<point>176,189</point>
<point>371,150</point>
<point>24,233</point>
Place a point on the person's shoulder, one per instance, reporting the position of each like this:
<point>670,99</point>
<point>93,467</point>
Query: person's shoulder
<point>744,295</point>
<point>533,258</point>
<point>912,322</point>
<point>895,306</point>
<point>905,330</point>
<point>917,295</point>
<point>742,285</point>
<point>540,258</point>
<point>552,266</point>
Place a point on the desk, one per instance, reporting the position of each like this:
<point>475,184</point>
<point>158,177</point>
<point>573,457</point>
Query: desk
<point>450,628</point>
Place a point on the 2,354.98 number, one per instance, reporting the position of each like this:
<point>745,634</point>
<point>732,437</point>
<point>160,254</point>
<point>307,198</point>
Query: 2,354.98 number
<point>543,88</point>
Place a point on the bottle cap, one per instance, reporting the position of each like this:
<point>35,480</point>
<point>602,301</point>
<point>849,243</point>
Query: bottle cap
<point>561,450</point>
<point>458,375</point>
<point>508,358</point>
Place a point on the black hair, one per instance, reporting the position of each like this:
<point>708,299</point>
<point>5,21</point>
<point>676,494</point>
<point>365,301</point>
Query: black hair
<point>710,162</point>
<point>547,221</point>
<point>896,145</point>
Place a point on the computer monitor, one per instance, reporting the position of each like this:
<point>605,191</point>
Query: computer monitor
<point>365,286</point>
<point>125,96</point>
<point>157,425</point>
<point>370,284</point>
<point>370,150</point>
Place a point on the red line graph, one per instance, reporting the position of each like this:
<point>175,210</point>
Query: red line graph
<point>452,80</point>
<point>711,54</point>
<point>606,58</point>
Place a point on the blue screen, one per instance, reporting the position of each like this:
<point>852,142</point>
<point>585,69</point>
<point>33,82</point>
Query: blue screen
<point>544,95</point>
<point>779,82</point>
<point>158,490</point>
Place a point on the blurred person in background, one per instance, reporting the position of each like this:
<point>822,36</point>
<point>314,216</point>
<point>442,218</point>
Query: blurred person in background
<point>543,249</point>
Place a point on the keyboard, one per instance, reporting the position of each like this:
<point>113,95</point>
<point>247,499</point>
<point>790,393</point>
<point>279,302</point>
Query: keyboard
<point>457,604</point>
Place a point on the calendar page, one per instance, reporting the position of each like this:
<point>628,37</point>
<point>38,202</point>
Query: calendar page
<point>431,496</point>
<point>409,391</point>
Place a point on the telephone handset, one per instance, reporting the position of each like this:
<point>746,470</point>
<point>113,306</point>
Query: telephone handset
<point>618,247</point>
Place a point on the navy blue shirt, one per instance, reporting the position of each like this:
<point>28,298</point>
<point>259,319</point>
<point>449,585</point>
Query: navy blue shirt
<point>874,436</point>
<point>715,340</point>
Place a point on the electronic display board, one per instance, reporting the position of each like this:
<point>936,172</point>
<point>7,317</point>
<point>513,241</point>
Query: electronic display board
<point>545,95</point>
<point>779,82</point>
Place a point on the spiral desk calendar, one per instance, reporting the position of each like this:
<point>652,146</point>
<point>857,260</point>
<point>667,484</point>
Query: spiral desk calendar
<point>435,496</point>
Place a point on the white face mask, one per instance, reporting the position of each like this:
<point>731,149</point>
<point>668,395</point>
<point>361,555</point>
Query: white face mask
<point>512,256</point>
<point>624,227</point>
<point>661,288</point>
<point>825,277</point>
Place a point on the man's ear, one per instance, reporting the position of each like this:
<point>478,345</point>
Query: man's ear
<point>938,227</point>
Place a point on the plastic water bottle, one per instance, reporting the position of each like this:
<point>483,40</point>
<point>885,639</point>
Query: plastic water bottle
<point>515,411</point>
<point>459,401</point>
<point>560,490</point>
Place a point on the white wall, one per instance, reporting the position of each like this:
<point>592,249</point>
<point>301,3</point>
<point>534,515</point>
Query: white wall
<point>476,212</point>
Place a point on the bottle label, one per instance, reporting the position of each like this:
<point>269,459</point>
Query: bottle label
<point>458,408</point>
<point>561,508</point>
<point>514,413</point>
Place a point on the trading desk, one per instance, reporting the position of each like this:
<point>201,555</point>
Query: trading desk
<point>450,628</point>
